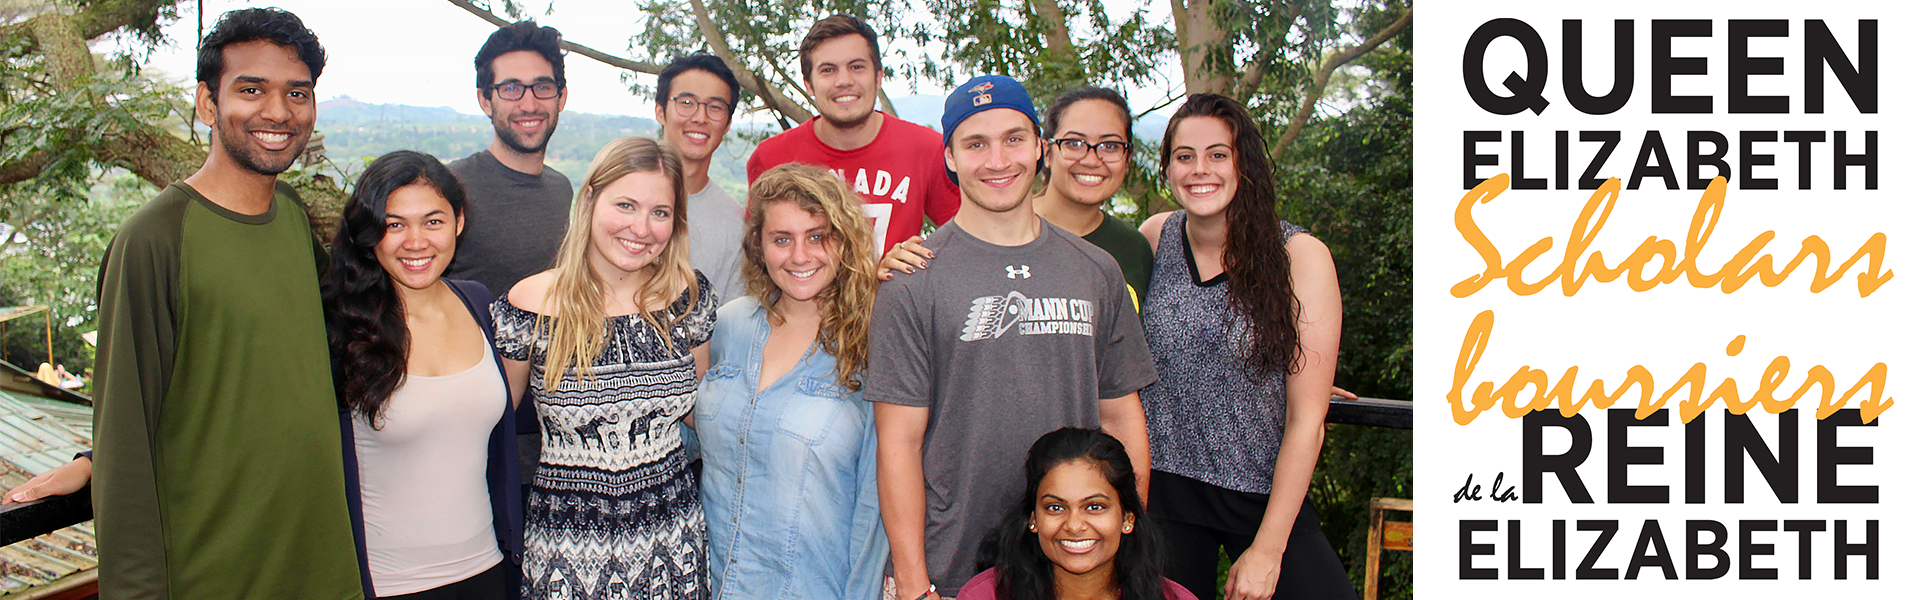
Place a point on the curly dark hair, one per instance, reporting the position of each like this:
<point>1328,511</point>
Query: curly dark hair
<point>1259,276</point>
<point>366,324</point>
<point>1025,572</point>
<point>524,35</point>
<point>253,25</point>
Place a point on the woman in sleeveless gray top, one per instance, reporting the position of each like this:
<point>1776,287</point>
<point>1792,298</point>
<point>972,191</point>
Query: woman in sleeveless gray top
<point>1243,317</point>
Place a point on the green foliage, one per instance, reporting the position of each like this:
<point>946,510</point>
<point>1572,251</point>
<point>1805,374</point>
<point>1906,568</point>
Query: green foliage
<point>53,259</point>
<point>1349,179</point>
<point>55,227</point>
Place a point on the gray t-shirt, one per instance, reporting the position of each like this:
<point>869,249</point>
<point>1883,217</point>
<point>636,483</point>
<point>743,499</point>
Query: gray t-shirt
<point>1003,345</point>
<point>715,224</point>
<point>514,221</point>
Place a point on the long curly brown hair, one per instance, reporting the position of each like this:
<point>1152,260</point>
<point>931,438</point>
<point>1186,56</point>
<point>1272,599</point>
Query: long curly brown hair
<point>1259,274</point>
<point>846,305</point>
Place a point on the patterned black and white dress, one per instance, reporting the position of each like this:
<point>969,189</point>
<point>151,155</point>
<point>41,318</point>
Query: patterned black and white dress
<point>614,511</point>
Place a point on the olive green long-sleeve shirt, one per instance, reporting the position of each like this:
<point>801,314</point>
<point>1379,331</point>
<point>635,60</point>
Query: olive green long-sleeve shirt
<point>218,471</point>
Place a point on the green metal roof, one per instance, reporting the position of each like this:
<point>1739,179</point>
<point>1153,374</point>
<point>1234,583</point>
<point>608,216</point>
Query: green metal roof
<point>38,434</point>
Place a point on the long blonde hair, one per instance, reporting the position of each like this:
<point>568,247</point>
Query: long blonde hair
<point>574,310</point>
<point>846,305</point>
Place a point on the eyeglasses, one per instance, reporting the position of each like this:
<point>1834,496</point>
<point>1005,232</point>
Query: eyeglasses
<point>514,90</point>
<point>1110,151</point>
<point>684,105</point>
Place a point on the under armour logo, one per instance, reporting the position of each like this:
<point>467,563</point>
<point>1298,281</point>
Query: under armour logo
<point>1024,272</point>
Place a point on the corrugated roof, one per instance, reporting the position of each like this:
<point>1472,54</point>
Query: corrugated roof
<point>38,434</point>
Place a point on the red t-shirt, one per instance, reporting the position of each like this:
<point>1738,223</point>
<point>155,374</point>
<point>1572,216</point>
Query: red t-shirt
<point>901,174</point>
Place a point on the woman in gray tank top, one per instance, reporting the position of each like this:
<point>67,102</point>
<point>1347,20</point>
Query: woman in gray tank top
<point>1243,316</point>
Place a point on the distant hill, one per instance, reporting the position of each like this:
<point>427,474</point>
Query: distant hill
<point>357,132</point>
<point>345,109</point>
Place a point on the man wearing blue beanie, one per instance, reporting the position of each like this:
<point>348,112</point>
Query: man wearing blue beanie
<point>1021,329</point>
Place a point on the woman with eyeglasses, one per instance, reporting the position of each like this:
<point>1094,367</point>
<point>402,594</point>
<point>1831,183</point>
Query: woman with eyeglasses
<point>1089,149</point>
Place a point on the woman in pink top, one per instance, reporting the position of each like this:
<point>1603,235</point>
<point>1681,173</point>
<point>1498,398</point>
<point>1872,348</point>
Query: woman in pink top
<point>1079,533</point>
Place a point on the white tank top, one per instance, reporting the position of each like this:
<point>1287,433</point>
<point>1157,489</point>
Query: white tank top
<point>423,480</point>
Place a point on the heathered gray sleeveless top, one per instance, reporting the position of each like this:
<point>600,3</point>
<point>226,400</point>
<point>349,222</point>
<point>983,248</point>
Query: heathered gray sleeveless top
<point>1206,419</point>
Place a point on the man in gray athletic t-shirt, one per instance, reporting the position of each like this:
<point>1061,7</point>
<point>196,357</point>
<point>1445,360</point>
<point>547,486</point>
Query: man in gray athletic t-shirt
<point>1020,329</point>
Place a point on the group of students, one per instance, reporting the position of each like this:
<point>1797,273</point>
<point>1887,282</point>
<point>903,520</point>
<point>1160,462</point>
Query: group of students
<point>856,439</point>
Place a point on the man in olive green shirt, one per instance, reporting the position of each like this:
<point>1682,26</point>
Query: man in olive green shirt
<point>218,473</point>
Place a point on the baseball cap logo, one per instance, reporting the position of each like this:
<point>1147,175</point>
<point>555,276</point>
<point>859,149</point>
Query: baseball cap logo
<point>980,89</point>
<point>982,99</point>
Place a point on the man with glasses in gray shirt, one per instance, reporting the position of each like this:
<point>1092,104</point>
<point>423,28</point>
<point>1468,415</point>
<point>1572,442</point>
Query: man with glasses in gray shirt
<point>519,205</point>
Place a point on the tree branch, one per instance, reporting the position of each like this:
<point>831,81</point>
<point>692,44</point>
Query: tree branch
<point>1257,70</point>
<point>1059,39</point>
<point>717,42</point>
<point>98,18</point>
<point>611,60</point>
<point>1325,73</point>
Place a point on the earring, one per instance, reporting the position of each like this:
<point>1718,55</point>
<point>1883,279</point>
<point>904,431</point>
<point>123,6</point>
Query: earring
<point>1030,527</point>
<point>1126,528</point>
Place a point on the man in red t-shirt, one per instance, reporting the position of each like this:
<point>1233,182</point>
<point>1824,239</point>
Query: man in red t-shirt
<point>895,166</point>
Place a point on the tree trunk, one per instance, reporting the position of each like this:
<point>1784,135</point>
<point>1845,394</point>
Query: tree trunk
<point>1201,40</point>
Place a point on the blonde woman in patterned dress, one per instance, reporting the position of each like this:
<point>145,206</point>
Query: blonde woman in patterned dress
<point>613,342</point>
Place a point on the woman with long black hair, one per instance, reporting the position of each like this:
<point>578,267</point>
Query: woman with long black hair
<point>426,421</point>
<point>1243,316</point>
<point>1079,531</point>
<point>426,425</point>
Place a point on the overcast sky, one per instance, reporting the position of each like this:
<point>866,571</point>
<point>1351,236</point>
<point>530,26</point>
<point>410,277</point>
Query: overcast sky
<point>420,52</point>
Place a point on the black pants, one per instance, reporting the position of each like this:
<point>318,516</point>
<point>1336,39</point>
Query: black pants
<point>490,584</point>
<point>1198,519</point>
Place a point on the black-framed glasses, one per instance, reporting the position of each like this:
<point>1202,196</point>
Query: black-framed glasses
<point>684,105</point>
<point>514,90</point>
<point>1110,151</point>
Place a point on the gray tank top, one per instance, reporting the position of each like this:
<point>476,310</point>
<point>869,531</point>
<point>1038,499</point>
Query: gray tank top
<point>1206,418</point>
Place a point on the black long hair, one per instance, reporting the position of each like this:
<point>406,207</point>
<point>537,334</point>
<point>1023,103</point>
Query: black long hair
<point>1259,275</point>
<point>1024,571</point>
<point>366,324</point>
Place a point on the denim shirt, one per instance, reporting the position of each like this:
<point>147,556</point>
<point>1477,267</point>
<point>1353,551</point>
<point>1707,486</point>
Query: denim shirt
<point>789,486</point>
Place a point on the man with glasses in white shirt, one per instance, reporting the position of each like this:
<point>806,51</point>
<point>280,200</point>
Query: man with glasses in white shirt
<point>694,105</point>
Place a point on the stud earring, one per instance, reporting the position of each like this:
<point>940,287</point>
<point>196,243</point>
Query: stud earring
<point>1127,528</point>
<point>1030,527</point>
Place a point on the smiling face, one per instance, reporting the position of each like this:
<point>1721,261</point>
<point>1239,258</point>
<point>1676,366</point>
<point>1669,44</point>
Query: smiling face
<point>802,255</point>
<point>844,81</point>
<point>1088,180</point>
<point>993,155</point>
<point>1201,167</point>
<point>421,231</point>
<point>632,223</point>
<point>694,136</point>
<point>526,124</point>
<point>1078,519</point>
<point>265,108</point>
